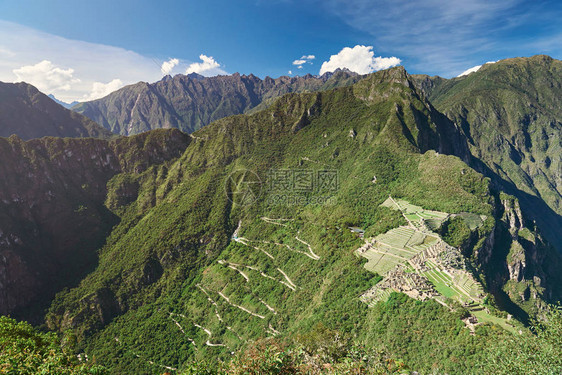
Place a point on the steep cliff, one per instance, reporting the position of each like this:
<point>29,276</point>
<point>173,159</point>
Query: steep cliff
<point>510,113</point>
<point>52,213</point>
<point>523,268</point>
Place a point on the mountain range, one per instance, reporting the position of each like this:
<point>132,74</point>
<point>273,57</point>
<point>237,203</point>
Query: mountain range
<point>189,102</point>
<point>416,216</point>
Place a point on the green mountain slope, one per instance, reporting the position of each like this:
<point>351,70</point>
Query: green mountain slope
<point>246,235</point>
<point>52,213</point>
<point>28,113</point>
<point>189,102</point>
<point>510,112</point>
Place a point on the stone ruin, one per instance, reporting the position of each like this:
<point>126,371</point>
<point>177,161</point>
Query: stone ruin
<point>400,280</point>
<point>413,283</point>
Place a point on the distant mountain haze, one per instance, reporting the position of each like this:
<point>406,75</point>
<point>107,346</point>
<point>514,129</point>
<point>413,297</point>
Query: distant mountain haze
<point>64,104</point>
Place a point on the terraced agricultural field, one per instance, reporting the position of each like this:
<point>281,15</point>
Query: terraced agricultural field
<point>416,214</point>
<point>381,262</point>
<point>399,245</point>
<point>472,220</point>
<point>444,284</point>
<point>395,247</point>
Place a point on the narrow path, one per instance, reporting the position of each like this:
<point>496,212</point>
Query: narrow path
<point>275,221</point>
<point>216,306</point>
<point>263,274</point>
<point>208,342</point>
<point>311,256</point>
<point>212,302</point>
<point>315,257</point>
<point>177,323</point>
<point>306,158</point>
<point>287,277</point>
<point>244,241</point>
<point>266,305</point>
<point>182,330</point>
<point>232,266</point>
<point>292,287</point>
<point>204,329</point>
<point>273,329</point>
<point>240,307</point>
<point>402,212</point>
<point>441,302</point>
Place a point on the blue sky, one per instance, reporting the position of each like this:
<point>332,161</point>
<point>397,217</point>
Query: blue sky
<point>80,50</point>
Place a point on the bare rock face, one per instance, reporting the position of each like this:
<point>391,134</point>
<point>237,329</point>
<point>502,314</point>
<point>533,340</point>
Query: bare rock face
<point>513,216</point>
<point>54,189</point>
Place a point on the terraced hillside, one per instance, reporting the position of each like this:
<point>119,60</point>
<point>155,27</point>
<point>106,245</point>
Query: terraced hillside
<point>416,261</point>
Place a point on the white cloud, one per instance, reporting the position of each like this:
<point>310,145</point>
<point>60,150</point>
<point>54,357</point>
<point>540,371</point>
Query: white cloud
<point>290,72</point>
<point>473,69</point>
<point>167,66</point>
<point>303,60</point>
<point>75,65</point>
<point>359,59</point>
<point>47,77</point>
<point>208,67</point>
<point>100,89</point>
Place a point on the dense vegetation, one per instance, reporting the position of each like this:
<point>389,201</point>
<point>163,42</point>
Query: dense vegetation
<point>24,350</point>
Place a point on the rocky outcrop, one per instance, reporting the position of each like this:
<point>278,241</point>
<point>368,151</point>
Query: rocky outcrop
<point>518,261</point>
